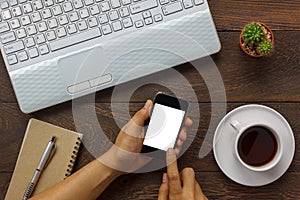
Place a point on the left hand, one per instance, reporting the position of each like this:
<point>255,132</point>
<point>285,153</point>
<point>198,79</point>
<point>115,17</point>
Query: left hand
<point>129,142</point>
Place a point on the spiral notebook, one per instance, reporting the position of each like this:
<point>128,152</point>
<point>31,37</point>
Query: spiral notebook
<point>36,138</point>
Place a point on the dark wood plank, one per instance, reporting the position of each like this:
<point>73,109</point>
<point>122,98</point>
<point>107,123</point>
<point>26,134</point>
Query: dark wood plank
<point>234,14</point>
<point>275,78</point>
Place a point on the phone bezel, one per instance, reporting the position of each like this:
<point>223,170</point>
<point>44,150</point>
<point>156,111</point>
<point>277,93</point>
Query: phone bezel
<point>172,102</point>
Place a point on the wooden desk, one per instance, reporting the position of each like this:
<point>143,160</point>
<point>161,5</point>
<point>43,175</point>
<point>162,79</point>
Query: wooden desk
<point>273,81</point>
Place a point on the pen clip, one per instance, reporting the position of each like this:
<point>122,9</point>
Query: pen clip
<point>53,150</point>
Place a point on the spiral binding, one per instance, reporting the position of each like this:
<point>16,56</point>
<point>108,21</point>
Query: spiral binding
<point>73,158</point>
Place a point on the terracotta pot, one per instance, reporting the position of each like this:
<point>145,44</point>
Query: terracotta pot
<point>241,40</point>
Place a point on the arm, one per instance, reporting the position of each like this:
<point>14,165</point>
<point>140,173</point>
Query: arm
<point>90,181</point>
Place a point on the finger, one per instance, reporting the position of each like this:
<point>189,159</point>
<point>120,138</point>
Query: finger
<point>188,122</point>
<point>143,114</point>
<point>177,151</point>
<point>179,142</point>
<point>163,190</point>
<point>173,174</point>
<point>188,179</point>
<point>135,126</point>
<point>198,192</point>
<point>182,134</point>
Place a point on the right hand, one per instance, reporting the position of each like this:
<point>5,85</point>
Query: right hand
<point>177,186</point>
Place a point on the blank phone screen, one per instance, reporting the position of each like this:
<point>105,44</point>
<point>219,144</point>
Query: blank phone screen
<point>163,127</point>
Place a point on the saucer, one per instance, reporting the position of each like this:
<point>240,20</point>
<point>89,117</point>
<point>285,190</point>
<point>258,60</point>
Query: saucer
<point>223,144</point>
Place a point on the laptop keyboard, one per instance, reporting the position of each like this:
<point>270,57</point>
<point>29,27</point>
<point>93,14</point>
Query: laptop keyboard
<point>33,28</point>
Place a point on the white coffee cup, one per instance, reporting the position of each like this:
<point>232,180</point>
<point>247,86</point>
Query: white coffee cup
<point>240,129</point>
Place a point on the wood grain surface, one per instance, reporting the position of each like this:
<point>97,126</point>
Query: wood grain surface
<point>273,81</point>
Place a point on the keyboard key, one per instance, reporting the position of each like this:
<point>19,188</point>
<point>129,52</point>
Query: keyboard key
<point>16,11</point>
<point>67,7</point>
<point>13,2</point>
<point>103,19</point>
<point>52,23</point>
<point>44,49</point>
<point>22,56</point>
<point>15,23</point>
<point>94,10</point>
<point>106,29</point>
<point>5,14</point>
<point>113,15</point>
<point>36,17</point>
<point>48,3</point>
<point>82,25</point>
<point>78,4</point>
<point>187,4</point>
<point>162,2</point>
<point>4,4</point>
<point>42,26</point>
<point>4,27</point>
<point>148,21</point>
<point>117,26</point>
<point>21,33</point>
<point>198,2</point>
<point>63,20</point>
<point>124,12</point>
<point>31,30</point>
<point>92,22</point>
<point>71,28</point>
<point>29,42</point>
<point>22,1</point>
<point>50,35</point>
<point>115,3</point>
<point>25,20</point>
<point>7,37</point>
<point>75,39</point>
<point>37,5</point>
<point>61,32</point>
<point>126,2</point>
<point>40,38</point>
<point>172,8</point>
<point>57,10</point>
<point>27,8</point>
<point>84,13</point>
<point>104,6</point>
<point>127,22</point>
<point>33,53</point>
<point>73,16</point>
<point>142,6</point>
<point>46,13</point>
<point>13,47</point>
<point>146,14</point>
<point>88,2</point>
<point>158,17</point>
<point>12,59</point>
<point>139,24</point>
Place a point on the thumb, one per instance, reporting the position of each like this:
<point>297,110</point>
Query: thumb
<point>143,114</point>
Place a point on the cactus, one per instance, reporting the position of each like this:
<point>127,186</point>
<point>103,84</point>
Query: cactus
<point>265,47</point>
<point>253,34</point>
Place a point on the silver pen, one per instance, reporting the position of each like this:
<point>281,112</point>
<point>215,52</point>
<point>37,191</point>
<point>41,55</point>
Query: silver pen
<point>46,157</point>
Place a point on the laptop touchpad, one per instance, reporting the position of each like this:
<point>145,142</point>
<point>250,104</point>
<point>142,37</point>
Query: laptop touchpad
<point>84,65</point>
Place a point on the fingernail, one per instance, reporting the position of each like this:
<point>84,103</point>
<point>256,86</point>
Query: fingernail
<point>164,179</point>
<point>171,152</point>
<point>147,104</point>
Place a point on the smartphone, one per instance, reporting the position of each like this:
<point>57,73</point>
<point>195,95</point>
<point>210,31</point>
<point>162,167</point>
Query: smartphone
<point>166,120</point>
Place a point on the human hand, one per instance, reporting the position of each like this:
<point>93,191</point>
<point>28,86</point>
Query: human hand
<point>177,186</point>
<point>129,142</point>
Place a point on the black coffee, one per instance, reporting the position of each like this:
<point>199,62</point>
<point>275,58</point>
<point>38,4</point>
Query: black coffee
<point>257,146</point>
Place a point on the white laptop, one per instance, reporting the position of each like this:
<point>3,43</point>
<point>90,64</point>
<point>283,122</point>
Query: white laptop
<point>56,50</point>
